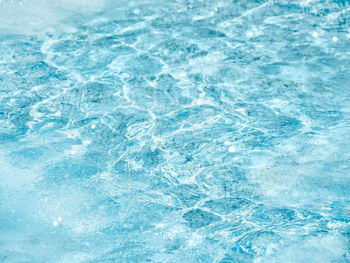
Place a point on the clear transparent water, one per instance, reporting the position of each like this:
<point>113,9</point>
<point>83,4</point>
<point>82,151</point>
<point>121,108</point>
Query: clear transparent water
<point>174,131</point>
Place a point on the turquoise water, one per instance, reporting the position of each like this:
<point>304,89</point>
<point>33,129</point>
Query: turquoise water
<point>174,131</point>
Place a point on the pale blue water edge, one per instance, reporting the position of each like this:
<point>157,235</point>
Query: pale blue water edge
<point>174,131</point>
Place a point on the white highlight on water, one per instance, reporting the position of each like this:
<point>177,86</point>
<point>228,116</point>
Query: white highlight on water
<point>86,142</point>
<point>227,143</point>
<point>232,149</point>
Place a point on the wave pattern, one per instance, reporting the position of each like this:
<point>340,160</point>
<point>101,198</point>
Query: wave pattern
<point>177,131</point>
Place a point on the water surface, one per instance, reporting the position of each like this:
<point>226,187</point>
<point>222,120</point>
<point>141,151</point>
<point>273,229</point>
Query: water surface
<point>174,131</point>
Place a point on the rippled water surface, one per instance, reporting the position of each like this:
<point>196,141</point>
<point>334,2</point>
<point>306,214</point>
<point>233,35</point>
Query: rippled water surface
<point>174,131</point>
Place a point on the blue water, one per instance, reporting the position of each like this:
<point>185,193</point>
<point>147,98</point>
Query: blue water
<point>174,131</point>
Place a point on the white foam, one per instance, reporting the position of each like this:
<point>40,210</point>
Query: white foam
<point>40,16</point>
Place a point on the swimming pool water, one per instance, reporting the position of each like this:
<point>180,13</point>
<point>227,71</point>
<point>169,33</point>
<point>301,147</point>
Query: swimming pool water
<point>174,131</point>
